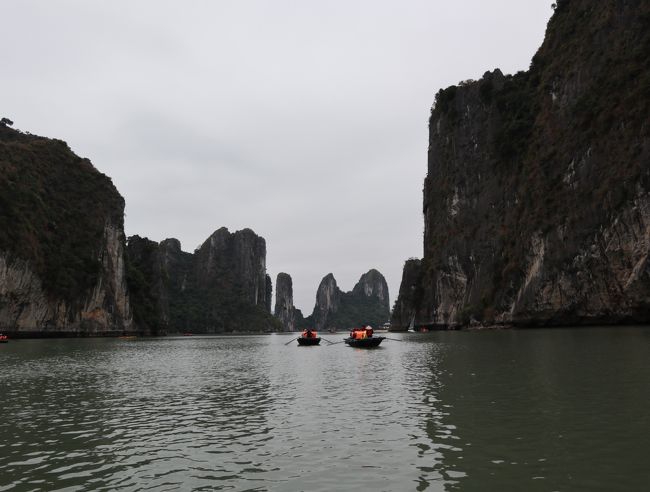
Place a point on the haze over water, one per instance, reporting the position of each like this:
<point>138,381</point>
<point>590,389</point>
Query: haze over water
<point>538,410</point>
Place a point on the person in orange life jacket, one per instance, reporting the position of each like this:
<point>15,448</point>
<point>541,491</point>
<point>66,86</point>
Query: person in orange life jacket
<point>358,333</point>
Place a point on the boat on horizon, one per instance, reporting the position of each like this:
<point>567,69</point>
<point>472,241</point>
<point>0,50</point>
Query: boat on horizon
<point>308,337</point>
<point>363,338</point>
<point>4,338</point>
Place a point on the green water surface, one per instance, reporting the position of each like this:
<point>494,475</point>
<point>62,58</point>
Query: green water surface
<point>516,410</point>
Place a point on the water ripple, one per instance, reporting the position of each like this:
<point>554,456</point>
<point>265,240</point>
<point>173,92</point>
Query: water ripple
<point>441,412</point>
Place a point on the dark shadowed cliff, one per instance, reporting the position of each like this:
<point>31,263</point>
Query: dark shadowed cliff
<point>61,242</point>
<point>222,287</point>
<point>290,316</point>
<point>367,304</point>
<point>64,268</point>
<point>536,202</point>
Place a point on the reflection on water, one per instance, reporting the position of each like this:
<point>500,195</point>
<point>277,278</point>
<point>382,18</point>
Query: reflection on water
<point>512,410</point>
<point>539,410</point>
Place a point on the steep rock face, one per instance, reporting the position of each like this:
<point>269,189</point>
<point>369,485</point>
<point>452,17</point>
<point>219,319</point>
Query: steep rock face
<point>157,274</point>
<point>269,294</point>
<point>328,301</point>
<point>536,198</point>
<point>175,267</point>
<point>61,242</point>
<point>285,311</point>
<point>410,296</point>
<point>373,285</point>
<point>241,256</point>
<point>367,303</point>
<point>222,287</point>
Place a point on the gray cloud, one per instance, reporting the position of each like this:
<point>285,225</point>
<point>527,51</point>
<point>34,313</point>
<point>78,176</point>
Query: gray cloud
<point>304,120</point>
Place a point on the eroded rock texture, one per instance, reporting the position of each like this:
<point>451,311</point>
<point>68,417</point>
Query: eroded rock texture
<point>222,287</point>
<point>366,304</point>
<point>285,311</point>
<point>61,242</point>
<point>536,199</point>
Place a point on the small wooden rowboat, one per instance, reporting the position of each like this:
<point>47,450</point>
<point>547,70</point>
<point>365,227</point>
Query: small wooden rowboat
<point>368,342</point>
<point>4,339</point>
<point>304,341</point>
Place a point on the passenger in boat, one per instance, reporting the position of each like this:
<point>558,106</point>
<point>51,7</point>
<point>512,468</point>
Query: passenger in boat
<point>358,333</point>
<point>308,333</point>
<point>369,331</point>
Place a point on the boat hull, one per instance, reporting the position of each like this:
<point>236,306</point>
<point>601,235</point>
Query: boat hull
<point>370,342</point>
<point>303,342</point>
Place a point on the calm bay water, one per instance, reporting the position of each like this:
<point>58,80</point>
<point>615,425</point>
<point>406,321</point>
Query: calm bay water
<point>539,410</point>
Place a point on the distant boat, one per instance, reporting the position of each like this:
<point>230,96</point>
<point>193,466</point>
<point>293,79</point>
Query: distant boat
<point>308,337</point>
<point>369,342</point>
<point>363,338</point>
<point>128,337</point>
<point>4,338</point>
<point>303,341</point>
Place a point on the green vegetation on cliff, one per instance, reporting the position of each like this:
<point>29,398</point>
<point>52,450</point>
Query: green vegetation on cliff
<point>357,310</point>
<point>205,292</point>
<point>366,304</point>
<point>54,208</point>
<point>536,201</point>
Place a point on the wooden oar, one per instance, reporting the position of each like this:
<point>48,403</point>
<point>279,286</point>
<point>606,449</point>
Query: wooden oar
<point>292,340</point>
<point>335,343</point>
<point>394,339</point>
<point>327,340</point>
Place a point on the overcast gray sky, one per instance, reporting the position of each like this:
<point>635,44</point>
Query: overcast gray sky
<point>303,120</point>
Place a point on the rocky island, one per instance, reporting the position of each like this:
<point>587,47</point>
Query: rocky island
<point>367,303</point>
<point>62,268</point>
<point>66,268</point>
<point>221,287</point>
<point>290,317</point>
<point>536,202</point>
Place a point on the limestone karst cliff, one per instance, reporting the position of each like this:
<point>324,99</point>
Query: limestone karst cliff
<point>64,267</point>
<point>61,242</point>
<point>409,298</point>
<point>367,303</point>
<point>328,302</point>
<point>157,274</point>
<point>536,201</point>
<point>222,287</point>
<point>290,316</point>
<point>269,293</point>
<point>372,285</point>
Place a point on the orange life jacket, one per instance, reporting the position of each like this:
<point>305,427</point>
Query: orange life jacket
<point>358,333</point>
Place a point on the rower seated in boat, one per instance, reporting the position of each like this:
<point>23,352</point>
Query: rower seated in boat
<point>361,333</point>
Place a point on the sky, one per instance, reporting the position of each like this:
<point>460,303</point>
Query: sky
<point>303,120</point>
